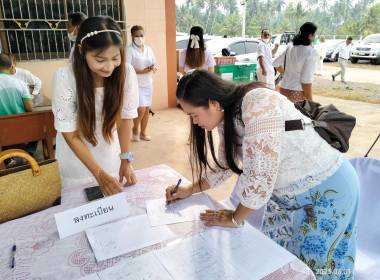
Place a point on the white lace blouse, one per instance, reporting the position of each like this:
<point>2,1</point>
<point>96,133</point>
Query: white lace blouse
<point>274,160</point>
<point>64,105</point>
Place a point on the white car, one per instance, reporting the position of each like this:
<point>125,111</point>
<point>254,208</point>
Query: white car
<point>244,49</point>
<point>183,41</point>
<point>283,40</point>
<point>368,49</point>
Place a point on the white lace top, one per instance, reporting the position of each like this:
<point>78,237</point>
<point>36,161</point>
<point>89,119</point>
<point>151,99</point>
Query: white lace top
<point>64,104</point>
<point>274,160</point>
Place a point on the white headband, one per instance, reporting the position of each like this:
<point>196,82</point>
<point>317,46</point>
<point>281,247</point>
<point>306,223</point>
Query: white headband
<point>89,34</point>
<point>194,41</point>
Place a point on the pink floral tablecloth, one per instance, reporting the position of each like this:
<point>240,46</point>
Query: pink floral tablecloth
<point>42,255</point>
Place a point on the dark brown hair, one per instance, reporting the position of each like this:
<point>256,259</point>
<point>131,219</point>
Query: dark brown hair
<point>195,58</point>
<point>113,85</point>
<point>136,28</point>
<point>197,88</point>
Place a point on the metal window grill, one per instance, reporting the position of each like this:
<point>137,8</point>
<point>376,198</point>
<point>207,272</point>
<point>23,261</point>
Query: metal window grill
<point>37,29</point>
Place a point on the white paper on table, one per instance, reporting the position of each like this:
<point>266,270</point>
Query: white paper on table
<point>249,250</point>
<point>124,236</point>
<point>184,210</point>
<point>93,276</point>
<point>92,214</point>
<point>142,267</point>
<point>191,259</point>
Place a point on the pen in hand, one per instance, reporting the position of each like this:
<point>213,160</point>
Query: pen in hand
<point>175,190</point>
<point>13,263</point>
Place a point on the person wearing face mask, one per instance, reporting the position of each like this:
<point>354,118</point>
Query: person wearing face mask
<point>265,70</point>
<point>141,57</point>
<point>297,64</point>
<point>73,23</point>
<point>94,102</point>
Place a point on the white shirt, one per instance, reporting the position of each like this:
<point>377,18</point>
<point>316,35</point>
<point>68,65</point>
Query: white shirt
<point>274,160</point>
<point>29,79</point>
<point>65,105</point>
<point>71,56</point>
<point>299,67</point>
<point>265,51</point>
<point>343,49</point>
<point>321,49</point>
<point>140,60</point>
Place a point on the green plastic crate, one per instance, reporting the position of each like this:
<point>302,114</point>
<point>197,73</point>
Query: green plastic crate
<point>236,73</point>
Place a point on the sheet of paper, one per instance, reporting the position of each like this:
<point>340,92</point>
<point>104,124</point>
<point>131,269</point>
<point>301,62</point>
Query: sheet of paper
<point>183,210</point>
<point>248,249</point>
<point>192,260</point>
<point>142,267</point>
<point>93,276</point>
<point>124,236</point>
<point>92,214</point>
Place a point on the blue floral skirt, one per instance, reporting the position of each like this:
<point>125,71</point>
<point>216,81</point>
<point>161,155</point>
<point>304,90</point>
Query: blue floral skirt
<point>319,225</point>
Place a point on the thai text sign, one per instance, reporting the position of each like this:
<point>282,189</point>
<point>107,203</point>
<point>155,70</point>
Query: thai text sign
<point>92,214</point>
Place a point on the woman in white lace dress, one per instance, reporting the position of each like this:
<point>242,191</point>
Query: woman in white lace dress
<point>94,102</point>
<point>309,190</point>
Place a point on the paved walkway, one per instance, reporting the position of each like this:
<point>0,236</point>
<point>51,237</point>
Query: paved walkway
<point>353,74</point>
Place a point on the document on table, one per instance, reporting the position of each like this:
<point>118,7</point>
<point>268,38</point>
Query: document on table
<point>249,250</point>
<point>191,259</point>
<point>124,236</point>
<point>145,266</point>
<point>184,210</point>
<point>93,276</point>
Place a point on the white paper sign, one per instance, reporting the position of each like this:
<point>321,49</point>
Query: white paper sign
<point>92,214</point>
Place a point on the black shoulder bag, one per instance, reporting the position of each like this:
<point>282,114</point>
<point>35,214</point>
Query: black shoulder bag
<point>331,124</point>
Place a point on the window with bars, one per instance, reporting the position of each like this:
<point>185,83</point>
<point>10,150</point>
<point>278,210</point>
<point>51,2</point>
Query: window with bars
<point>37,29</point>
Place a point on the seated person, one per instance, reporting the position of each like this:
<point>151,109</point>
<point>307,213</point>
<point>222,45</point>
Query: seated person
<point>15,97</point>
<point>33,82</point>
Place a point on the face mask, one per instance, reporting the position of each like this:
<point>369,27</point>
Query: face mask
<point>71,36</point>
<point>266,41</point>
<point>315,40</point>
<point>139,41</point>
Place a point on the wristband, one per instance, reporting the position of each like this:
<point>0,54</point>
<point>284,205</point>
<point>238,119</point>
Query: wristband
<point>235,223</point>
<point>128,156</point>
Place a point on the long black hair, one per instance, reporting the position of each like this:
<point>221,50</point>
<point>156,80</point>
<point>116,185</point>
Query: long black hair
<point>198,88</point>
<point>113,85</point>
<point>302,37</point>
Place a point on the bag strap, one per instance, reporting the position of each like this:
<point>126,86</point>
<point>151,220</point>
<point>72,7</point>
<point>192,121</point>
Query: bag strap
<point>372,146</point>
<point>36,171</point>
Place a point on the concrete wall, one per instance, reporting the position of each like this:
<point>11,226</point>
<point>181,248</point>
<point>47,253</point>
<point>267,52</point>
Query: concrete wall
<point>152,16</point>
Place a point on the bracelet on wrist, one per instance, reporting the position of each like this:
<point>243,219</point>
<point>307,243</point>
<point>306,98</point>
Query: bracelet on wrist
<point>235,223</point>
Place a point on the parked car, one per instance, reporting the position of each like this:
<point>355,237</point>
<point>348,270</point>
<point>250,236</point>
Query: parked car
<point>368,49</point>
<point>244,49</point>
<point>183,41</point>
<point>283,40</point>
<point>331,45</point>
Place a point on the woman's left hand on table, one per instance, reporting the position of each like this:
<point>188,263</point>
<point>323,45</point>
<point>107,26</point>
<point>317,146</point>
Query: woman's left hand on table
<point>127,171</point>
<point>222,218</point>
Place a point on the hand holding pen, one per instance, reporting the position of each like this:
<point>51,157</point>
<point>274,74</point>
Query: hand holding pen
<point>175,192</point>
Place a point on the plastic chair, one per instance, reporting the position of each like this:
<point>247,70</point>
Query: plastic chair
<point>367,263</point>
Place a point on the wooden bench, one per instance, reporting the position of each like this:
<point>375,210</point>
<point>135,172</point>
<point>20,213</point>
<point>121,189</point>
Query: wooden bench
<point>28,127</point>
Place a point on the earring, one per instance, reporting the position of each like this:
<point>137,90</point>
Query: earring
<point>221,110</point>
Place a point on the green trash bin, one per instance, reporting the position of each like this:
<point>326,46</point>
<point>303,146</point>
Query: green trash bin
<point>236,73</point>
